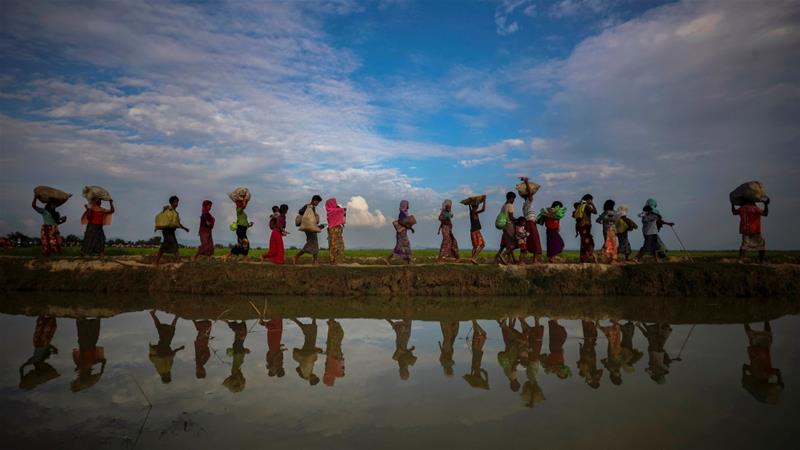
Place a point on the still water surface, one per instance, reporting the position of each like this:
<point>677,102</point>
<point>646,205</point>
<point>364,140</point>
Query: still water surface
<point>151,379</point>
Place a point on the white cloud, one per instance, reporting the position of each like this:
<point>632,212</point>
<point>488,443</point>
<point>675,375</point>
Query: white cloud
<point>359,215</point>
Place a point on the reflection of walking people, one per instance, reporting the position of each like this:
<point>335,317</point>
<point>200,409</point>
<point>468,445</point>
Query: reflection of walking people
<point>202,352</point>
<point>587,363</point>
<point>446,346</point>
<point>87,354</point>
<point>613,359</point>
<point>478,377</point>
<point>508,358</point>
<point>402,353</point>
<point>235,382</point>
<point>162,355</point>
<point>531,391</point>
<point>42,372</point>
<point>274,347</point>
<point>334,356</point>
<point>306,356</point>
<point>554,361</point>
<point>659,361</point>
<point>630,355</point>
<point>759,378</point>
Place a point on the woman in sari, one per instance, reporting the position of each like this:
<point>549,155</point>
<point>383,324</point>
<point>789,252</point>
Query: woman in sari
<point>206,226</point>
<point>449,247</point>
<point>402,247</point>
<point>95,218</point>
<point>51,219</point>
<point>336,219</point>
<point>276,252</point>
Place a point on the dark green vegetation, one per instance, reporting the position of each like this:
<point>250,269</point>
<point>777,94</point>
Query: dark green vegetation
<point>121,275</point>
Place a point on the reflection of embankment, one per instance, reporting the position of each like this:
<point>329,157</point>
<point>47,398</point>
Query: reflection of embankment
<point>214,277</point>
<point>670,310</point>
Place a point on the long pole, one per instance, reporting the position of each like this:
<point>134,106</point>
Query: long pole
<point>681,242</point>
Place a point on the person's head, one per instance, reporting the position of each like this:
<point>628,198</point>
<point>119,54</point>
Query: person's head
<point>51,205</point>
<point>647,208</point>
<point>514,385</point>
<point>447,205</point>
<point>616,378</point>
<point>510,197</point>
<point>609,205</point>
<point>315,200</point>
<point>313,380</point>
<point>284,209</point>
<point>173,201</point>
<point>557,204</point>
<point>519,221</point>
<point>207,205</point>
<point>587,198</point>
<point>200,372</point>
<point>275,209</point>
<point>166,377</point>
<point>404,372</point>
<point>99,202</point>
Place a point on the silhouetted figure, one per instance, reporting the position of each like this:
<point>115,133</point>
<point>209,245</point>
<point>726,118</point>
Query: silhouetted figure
<point>446,347</point>
<point>613,359</point>
<point>402,353</point>
<point>334,357</point>
<point>531,391</point>
<point>42,372</point>
<point>758,376</point>
<point>162,355</point>
<point>274,347</point>
<point>235,381</point>
<point>554,361</point>
<point>659,361</point>
<point>587,361</point>
<point>630,356</point>
<point>202,353</point>
<point>306,357</point>
<point>87,354</point>
<point>477,377</point>
<point>508,358</point>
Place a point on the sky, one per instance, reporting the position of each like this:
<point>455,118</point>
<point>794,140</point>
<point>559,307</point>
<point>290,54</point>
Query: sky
<point>377,101</point>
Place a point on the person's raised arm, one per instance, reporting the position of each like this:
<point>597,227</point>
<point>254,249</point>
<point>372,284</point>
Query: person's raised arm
<point>734,211</point>
<point>483,207</point>
<point>111,210</point>
<point>33,203</point>
<point>766,207</point>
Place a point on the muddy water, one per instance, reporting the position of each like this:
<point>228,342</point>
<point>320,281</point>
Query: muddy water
<point>206,378</point>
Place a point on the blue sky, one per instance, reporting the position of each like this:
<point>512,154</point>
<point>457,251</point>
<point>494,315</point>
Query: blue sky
<point>372,102</point>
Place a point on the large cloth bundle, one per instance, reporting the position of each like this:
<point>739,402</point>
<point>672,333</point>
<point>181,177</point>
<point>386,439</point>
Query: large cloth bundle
<point>168,218</point>
<point>240,194</point>
<point>46,194</point>
<point>92,193</point>
<point>309,222</point>
<point>752,191</point>
<point>408,222</point>
<point>475,200</point>
<point>523,189</point>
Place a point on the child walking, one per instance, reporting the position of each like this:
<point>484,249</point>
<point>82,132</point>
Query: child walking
<point>623,225</point>
<point>551,219</point>
<point>521,234</point>
<point>475,230</point>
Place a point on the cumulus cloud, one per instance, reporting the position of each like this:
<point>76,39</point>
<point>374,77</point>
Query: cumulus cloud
<point>359,215</point>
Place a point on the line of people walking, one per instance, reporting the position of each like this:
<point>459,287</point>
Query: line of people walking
<point>518,232</point>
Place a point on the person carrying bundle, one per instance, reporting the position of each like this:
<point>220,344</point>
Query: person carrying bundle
<point>533,243</point>
<point>308,221</point>
<point>168,221</point>
<point>242,247</point>
<point>449,245</point>
<point>551,219</point>
<point>583,226</point>
<point>623,226</point>
<point>95,218</point>
<point>750,227</point>
<point>276,250</point>
<point>336,220</point>
<point>475,235</point>
<point>505,221</point>
<point>51,219</point>
<point>404,223</point>
<point>651,225</point>
<point>206,226</point>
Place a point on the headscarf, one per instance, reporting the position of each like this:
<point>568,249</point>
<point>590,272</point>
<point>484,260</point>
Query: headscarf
<point>652,203</point>
<point>445,205</point>
<point>335,213</point>
<point>403,210</point>
<point>206,206</point>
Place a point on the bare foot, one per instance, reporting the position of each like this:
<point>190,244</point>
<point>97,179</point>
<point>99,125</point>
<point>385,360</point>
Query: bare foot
<point>472,260</point>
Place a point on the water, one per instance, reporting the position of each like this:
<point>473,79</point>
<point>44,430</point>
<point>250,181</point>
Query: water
<point>376,391</point>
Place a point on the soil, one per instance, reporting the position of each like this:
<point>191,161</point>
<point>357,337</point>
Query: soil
<point>214,277</point>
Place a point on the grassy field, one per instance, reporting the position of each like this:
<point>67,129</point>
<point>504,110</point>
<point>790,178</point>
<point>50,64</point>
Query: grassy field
<point>419,254</point>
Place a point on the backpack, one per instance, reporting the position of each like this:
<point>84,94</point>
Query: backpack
<point>621,225</point>
<point>502,219</point>
<point>580,211</point>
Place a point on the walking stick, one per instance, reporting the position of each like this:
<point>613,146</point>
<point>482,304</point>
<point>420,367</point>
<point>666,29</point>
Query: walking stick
<point>680,352</point>
<point>681,242</point>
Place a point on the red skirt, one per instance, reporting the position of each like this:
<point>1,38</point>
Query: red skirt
<point>276,251</point>
<point>533,244</point>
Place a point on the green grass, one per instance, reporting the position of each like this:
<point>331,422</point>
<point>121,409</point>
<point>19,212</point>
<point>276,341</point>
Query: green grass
<point>419,254</point>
